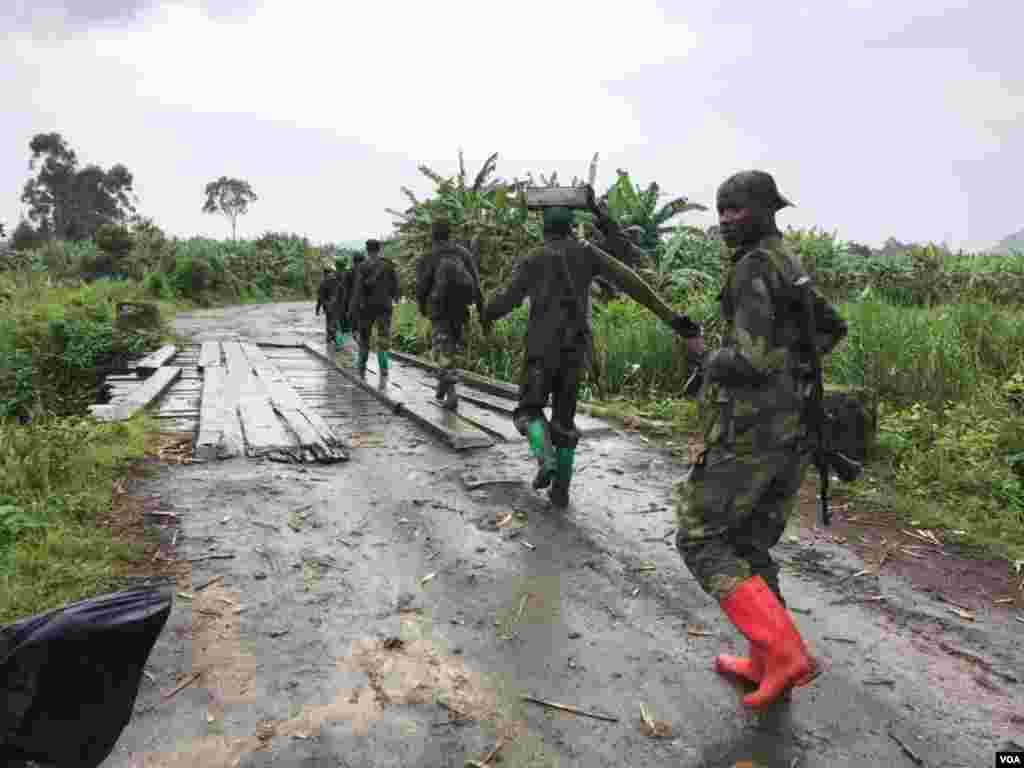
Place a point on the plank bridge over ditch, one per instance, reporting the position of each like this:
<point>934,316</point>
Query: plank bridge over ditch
<point>296,402</point>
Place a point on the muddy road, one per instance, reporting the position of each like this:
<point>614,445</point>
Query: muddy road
<point>385,612</point>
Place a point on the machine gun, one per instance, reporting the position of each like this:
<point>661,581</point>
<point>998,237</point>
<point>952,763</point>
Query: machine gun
<point>826,458</point>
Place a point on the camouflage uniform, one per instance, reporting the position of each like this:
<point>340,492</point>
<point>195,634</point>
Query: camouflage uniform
<point>375,290</point>
<point>734,504</point>
<point>447,282</point>
<point>325,301</point>
<point>559,343</point>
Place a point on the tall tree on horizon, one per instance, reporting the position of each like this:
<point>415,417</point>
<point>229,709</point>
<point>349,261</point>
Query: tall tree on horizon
<point>230,197</point>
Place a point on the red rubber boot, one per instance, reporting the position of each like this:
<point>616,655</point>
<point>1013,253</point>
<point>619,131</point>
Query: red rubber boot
<point>749,668</point>
<point>762,619</point>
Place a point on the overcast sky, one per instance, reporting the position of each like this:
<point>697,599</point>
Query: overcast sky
<point>877,119</point>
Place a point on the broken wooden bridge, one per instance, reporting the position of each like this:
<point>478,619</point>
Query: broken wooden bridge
<point>282,402</point>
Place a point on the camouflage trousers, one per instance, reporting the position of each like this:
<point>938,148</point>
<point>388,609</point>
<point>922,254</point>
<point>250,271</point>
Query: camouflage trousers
<point>732,508</point>
<point>381,320</point>
<point>539,383</point>
<point>445,338</point>
<point>334,321</point>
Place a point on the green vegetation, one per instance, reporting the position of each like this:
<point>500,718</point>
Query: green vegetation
<point>56,477</point>
<point>938,337</point>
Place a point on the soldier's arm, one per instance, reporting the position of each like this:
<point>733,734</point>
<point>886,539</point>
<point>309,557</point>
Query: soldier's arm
<point>512,295</point>
<point>424,280</point>
<point>396,284</point>
<point>353,300</point>
<point>753,357</point>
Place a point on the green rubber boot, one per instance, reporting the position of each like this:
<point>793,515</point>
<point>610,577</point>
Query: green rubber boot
<point>364,355</point>
<point>559,492</point>
<point>383,361</point>
<point>543,452</point>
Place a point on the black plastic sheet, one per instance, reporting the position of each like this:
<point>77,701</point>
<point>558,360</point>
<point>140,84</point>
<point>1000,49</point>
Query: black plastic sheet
<point>69,677</point>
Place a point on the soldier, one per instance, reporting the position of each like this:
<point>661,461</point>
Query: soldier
<point>375,290</point>
<point>340,304</point>
<point>447,283</point>
<point>557,278</point>
<point>324,297</point>
<point>733,505</point>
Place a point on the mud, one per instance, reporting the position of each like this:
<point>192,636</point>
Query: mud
<point>383,613</point>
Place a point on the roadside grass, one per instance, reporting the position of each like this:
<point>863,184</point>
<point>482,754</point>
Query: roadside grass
<point>950,379</point>
<point>56,477</point>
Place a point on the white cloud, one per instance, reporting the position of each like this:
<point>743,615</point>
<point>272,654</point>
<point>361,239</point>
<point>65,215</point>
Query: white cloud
<point>879,119</point>
<point>530,75</point>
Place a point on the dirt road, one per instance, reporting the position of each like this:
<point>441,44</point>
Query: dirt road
<point>381,612</point>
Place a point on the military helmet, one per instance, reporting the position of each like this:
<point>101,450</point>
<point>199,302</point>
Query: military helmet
<point>751,189</point>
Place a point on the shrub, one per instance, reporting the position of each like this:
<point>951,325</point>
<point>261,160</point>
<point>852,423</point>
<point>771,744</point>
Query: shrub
<point>114,239</point>
<point>192,275</point>
<point>158,285</point>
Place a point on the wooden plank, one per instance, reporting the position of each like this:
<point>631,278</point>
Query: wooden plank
<point>417,383</point>
<point>262,432</point>
<point>314,437</point>
<point>233,382</point>
<point>147,365</point>
<point>484,383</point>
<point>457,432</point>
<point>501,397</point>
<point>209,355</point>
<point>545,197</point>
<point>496,423</point>
<point>142,396</point>
<point>220,434</point>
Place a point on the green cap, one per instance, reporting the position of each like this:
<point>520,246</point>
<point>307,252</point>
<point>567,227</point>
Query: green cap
<point>557,219</point>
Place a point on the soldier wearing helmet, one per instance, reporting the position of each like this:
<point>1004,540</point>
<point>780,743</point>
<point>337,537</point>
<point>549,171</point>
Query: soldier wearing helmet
<point>732,507</point>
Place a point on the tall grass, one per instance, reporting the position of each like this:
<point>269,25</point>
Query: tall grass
<point>56,476</point>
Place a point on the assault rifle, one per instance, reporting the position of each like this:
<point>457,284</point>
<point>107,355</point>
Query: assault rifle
<point>826,458</point>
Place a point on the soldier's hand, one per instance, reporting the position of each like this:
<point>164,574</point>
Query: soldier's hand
<point>686,328</point>
<point>695,347</point>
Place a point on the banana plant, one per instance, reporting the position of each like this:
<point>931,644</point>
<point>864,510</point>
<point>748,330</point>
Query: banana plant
<point>632,206</point>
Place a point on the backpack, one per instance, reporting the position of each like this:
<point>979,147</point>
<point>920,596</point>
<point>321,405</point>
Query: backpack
<point>378,279</point>
<point>457,288</point>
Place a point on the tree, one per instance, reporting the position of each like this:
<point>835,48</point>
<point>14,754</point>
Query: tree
<point>230,197</point>
<point>71,203</point>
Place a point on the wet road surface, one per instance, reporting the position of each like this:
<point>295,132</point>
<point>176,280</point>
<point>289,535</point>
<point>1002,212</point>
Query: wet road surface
<point>379,612</point>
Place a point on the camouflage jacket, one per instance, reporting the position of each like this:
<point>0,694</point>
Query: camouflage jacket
<point>375,287</point>
<point>755,385</point>
<point>325,294</point>
<point>559,313</point>
<point>430,279</point>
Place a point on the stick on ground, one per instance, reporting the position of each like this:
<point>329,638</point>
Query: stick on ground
<point>569,708</point>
